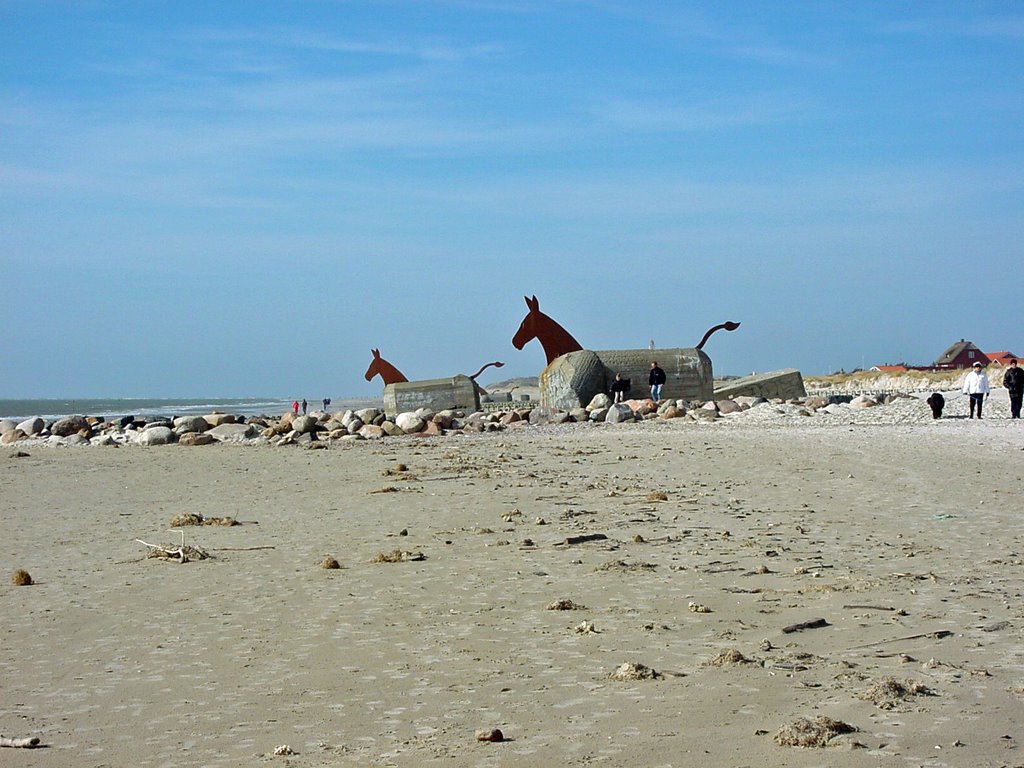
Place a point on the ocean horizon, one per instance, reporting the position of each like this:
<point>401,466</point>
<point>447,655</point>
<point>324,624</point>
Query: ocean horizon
<point>116,407</point>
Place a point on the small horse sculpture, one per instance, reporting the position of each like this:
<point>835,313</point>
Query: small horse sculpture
<point>381,367</point>
<point>536,325</point>
<point>391,375</point>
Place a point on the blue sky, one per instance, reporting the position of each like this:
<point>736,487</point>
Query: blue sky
<point>241,198</point>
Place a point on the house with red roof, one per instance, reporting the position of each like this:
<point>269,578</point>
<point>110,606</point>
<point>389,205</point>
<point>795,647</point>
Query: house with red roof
<point>1001,358</point>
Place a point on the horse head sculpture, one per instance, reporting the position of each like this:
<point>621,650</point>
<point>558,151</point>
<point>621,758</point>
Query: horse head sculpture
<point>536,325</point>
<point>728,326</point>
<point>381,367</point>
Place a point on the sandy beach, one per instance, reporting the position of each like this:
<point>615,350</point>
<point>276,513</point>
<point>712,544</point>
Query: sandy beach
<point>904,538</point>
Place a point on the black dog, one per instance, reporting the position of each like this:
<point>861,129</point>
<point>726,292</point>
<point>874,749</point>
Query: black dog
<point>936,401</point>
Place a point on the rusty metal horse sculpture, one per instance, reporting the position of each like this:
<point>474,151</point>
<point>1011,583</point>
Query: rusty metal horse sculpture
<point>391,375</point>
<point>557,341</point>
<point>381,367</point>
<point>536,325</point>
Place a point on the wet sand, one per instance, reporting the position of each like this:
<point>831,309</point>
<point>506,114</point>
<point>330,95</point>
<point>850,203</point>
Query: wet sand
<point>905,539</point>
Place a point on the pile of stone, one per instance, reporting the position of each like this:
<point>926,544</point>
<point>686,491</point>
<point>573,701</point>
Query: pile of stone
<point>372,423</point>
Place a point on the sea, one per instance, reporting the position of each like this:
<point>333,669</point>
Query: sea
<point>115,408</point>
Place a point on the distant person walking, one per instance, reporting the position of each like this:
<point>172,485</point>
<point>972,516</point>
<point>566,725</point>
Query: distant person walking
<point>327,403</point>
<point>976,388</point>
<point>1013,380</point>
<point>656,380</point>
<point>305,405</point>
<point>295,407</point>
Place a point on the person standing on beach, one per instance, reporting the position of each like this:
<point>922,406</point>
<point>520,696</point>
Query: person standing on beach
<point>295,407</point>
<point>1013,380</point>
<point>305,405</point>
<point>656,380</point>
<point>327,403</point>
<point>976,388</point>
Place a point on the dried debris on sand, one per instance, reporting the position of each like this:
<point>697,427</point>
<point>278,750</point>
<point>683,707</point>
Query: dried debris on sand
<point>565,604</point>
<point>186,553</point>
<point>398,556</point>
<point>191,518</point>
<point>623,565</point>
<point>628,672</point>
<point>891,694</point>
<point>21,578</point>
<point>805,732</point>
<point>729,657</point>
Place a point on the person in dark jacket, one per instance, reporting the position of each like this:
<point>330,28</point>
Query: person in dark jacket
<point>1013,380</point>
<point>619,388</point>
<point>656,380</point>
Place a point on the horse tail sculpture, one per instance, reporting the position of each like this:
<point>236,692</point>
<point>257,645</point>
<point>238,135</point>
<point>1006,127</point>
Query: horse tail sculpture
<point>728,326</point>
<point>381,367</point>
<point>496,364</point>
<point>536,325</point>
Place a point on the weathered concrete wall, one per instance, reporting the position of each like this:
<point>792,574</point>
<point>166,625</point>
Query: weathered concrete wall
<point>436,394</point>
<point>787,384</point>
<point>572,380</point>
<point>688,373</point>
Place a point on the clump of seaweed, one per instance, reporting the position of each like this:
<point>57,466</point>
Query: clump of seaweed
<point>890,693</point>
<point>657,496</point>
<point>21,578</point>
<point>330,563</point>
<point>805,732</point>
<point>628,672</point>
<point>565,604</point>
<point>729,657</point>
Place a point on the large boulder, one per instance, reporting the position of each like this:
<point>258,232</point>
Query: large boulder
<point>32,426</point>
<point>303,424</point>
<point>232,432</point>
<point>156,436</point>
<point>185,424</point>
<point>216,418</point>
<point>618,413</point>
<point>70,425</point>
<point>371,431</point>
<point>410,422</point>
<point>196,438</point>
<point>600,400</point>
<point>6,425</point>
<point>545,415</point>
<point>572,380</point>
<point>368,415</point>
<point>12,437</point>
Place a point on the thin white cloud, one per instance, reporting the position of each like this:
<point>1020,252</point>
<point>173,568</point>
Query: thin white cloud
<point>1010,27</point>
<point>704,115</point>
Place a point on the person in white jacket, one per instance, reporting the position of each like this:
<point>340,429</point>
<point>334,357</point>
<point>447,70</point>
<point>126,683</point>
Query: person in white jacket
<point>976,388</point>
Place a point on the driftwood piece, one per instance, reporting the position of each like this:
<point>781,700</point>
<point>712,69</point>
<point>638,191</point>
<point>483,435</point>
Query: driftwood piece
<point>26,743</point>
<point>812,624</point>
<point>939,635</point>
